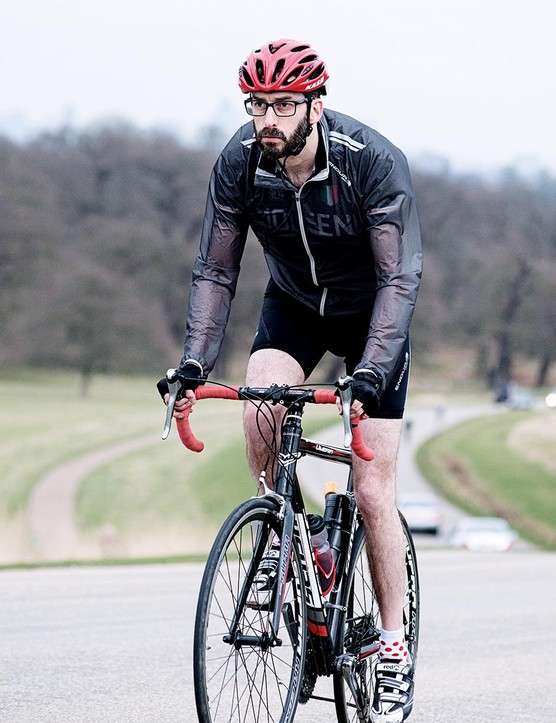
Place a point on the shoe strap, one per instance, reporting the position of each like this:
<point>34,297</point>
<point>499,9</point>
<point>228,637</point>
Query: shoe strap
<point>386,677</point>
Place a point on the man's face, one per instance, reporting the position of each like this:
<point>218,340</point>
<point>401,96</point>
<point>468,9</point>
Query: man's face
<point>278,135</point>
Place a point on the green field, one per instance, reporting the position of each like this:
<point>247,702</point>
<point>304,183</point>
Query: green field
<point>501,465</point>
<point>44,421</point>
<point>159,500</point>
<point>167,488</point>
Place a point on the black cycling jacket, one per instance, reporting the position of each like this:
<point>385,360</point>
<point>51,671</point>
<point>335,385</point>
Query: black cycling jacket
<point>346,241</point>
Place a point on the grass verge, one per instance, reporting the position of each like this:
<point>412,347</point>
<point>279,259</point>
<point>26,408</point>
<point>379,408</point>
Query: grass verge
<point>45,421</point>
<point>165,486</point>
<point>481,467</point>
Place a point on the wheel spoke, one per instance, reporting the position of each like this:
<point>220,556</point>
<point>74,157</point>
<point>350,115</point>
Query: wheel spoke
<point>363,612</point>
<point>238,681</point>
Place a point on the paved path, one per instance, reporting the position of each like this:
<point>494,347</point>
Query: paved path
<point>54,531</point>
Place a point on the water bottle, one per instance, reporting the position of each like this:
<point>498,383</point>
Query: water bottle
<point>330,497</point>
<point>323,554</point>
<point>337,520</point>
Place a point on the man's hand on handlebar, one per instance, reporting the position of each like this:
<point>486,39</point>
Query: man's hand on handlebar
<point>366,388</point>
<point>180,405</point>
<point>360,393</point>
<point>178,386</point>
<point>356,410</point>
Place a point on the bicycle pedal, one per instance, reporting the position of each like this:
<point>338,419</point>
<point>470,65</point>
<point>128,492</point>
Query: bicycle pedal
<point>368,650</point>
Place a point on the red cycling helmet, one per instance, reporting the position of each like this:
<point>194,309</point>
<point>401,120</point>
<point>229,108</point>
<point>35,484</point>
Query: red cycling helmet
<point>283,65</point>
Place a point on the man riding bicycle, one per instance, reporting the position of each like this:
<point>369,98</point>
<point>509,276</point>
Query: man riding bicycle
<point>332,204</point>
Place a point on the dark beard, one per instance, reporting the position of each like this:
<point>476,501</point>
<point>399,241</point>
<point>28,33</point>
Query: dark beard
<point>291,144</point>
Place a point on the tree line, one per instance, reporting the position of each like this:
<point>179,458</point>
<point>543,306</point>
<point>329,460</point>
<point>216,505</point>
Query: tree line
<point>99,229</point>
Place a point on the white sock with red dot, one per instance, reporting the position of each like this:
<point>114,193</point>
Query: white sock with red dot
<point>393,646</point>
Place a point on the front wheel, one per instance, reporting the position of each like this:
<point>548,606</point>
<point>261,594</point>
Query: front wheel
<point>242,674</point>
<point>362,623</point>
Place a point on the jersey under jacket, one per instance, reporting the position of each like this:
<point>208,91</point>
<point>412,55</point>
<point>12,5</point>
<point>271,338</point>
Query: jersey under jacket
<point>346,241</point>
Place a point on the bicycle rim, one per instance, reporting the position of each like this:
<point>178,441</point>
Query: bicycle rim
<point>249,682</point>
<point>363,615</point>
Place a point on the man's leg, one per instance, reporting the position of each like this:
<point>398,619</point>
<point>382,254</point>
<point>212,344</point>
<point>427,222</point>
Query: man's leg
<point>266,367</point>
<point>375,492</point>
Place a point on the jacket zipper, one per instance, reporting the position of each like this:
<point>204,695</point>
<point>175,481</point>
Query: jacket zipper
<point>323,300</point>
<point>308,250</point>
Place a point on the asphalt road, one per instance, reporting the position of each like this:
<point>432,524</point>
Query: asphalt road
<point>88,645</point>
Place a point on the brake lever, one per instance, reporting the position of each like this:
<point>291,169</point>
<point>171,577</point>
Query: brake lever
<point>344,391</point>
<point>174,389</point>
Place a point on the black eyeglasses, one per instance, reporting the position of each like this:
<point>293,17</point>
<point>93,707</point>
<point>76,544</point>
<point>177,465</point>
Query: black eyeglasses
<point>282,108</point>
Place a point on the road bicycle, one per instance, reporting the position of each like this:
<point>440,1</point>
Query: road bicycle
<point>257,663</point>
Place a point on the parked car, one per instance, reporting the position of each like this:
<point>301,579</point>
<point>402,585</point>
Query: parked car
<point>421,512</point>
<point>483,534</point>
<point>514,395</point>
<point>550,399</point>
<point>520,398</point>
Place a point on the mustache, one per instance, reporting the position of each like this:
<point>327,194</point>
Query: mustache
<point>270,133</point>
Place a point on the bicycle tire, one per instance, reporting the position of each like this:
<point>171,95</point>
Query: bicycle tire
<point>362,607</point>
<point>247,683</point>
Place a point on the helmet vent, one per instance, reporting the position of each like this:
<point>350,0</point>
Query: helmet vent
<point>247,78</point>
<point>275,48</point>
<point>278,69</point>
<point>259,68</point>
<point>317,72</point>
<point>292,77</point>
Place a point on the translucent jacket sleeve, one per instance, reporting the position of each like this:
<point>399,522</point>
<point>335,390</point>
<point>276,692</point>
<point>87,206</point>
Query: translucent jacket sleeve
<point>216,268</point>
<point>395,239</point>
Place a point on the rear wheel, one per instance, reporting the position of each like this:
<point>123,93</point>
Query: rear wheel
<point>362,623</point>
<point>241,673</point>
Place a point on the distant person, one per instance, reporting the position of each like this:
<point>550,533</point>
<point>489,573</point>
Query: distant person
<point>332,204</point>
<point>440,410</point>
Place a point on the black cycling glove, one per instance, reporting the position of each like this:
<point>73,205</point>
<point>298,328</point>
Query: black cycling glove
<point>190,375</point>
<point>366,389</point>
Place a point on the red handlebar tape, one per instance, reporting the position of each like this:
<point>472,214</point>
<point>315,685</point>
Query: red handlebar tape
<point>322,396</point>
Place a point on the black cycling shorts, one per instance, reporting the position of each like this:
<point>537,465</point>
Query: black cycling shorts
<point>289,326</point>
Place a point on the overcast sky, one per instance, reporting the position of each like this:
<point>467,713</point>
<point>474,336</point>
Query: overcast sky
<point>472,80</point>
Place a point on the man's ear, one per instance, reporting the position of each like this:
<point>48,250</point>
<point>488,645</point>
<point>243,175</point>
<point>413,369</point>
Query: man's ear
<point>317,108</point>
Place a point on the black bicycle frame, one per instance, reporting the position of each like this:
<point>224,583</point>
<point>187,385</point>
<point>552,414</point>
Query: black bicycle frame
<point>324,618</point>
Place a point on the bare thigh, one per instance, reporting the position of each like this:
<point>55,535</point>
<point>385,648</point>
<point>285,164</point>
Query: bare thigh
<point>266,367</point>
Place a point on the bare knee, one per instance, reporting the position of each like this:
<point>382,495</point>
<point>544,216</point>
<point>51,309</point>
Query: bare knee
<point>267,367</point>
<point>273,366</point>
<point>375,482</point>
<point>262,423</point>
<point>376,502</point>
